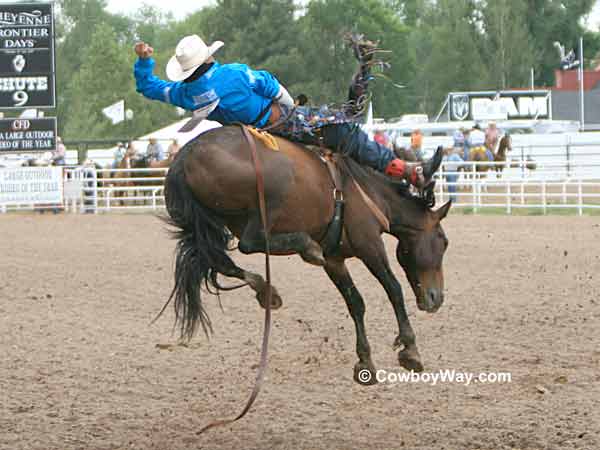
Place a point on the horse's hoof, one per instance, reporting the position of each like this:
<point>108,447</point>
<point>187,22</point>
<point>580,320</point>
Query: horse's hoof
<point>364,374</point>
<point>262,296</point>
<point>410,360</point>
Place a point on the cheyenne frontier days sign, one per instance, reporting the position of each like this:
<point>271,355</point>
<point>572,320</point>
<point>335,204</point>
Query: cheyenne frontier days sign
<point>27,56</point>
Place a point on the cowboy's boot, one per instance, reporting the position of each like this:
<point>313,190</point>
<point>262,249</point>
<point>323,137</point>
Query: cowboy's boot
<point>364,51</point>
<point>417,174</point>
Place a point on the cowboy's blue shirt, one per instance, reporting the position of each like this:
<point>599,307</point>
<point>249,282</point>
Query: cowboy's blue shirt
<point>240,93</point>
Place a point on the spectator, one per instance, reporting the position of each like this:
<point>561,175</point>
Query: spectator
<point>59,154</point>
<point>154,151</point>
<point>382,138</point>
<point>491,140</point>
<point>416,144</point>
<point>119,154</point>
<point>458,139</point>
<point>452,162</point>
<point>173,149</point>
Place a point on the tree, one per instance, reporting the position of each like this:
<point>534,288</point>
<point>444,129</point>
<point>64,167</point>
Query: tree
<point>509,51</point>
<point>328,63</point>
<point>448,56</point>
<point>549,21</point>
<point>75,21</point>
<point>105,77</point>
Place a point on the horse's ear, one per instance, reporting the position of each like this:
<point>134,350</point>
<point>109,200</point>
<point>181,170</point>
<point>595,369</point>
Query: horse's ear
<point>442,212</point>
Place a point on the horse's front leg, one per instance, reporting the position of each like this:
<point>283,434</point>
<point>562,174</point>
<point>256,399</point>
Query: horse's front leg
<point>375,258</point>
<point>364,370</point>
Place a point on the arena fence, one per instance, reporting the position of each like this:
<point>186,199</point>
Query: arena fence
<point>86,189</point>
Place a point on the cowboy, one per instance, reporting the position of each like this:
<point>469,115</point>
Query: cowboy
<point>235,93</point>
<point>477,139</point>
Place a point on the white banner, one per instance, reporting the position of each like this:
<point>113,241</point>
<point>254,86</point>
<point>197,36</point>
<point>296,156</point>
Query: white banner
<point>27,185</point>
<point>115,112</point>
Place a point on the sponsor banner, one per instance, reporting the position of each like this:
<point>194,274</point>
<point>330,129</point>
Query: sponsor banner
<point>502,105</point>
<point>27,185</point>
<point>27,135</point>
<point>27,55</point>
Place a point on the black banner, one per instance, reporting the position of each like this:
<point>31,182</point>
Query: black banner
<point>27,135</point>
<point>27,56</point>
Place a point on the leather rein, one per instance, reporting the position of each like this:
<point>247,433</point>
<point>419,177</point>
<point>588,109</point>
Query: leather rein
<point>262,368</point>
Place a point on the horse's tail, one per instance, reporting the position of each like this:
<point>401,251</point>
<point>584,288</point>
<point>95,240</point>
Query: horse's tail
<point>201,250</point>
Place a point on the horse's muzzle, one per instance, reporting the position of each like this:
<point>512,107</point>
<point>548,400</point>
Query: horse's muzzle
<point>431,300</point>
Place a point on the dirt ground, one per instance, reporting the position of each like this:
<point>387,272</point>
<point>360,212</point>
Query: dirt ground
<point>81,368</point>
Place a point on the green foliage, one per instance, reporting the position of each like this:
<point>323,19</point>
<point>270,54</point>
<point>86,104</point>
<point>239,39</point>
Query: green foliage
<point>437,46</point>
<point>549,21</point>
<point>508,44</point>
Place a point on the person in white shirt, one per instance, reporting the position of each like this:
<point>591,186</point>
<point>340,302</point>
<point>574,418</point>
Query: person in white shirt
<point>476,137</point>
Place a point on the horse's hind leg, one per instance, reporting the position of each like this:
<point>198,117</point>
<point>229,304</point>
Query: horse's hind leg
<point>254,280</point>
<point>253,241</point>
<point>364,370</point>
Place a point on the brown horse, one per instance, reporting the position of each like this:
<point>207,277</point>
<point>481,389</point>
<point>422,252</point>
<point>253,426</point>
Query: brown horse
<point>479,154</point>
<point>210,193</point>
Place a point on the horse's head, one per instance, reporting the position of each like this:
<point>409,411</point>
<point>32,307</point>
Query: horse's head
<point>505,144</point>
<point>420,250</point>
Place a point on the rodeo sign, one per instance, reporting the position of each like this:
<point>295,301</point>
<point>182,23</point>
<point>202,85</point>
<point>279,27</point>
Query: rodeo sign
<point>27,56</point>
<point>500,105</point>
<point>27,135</point>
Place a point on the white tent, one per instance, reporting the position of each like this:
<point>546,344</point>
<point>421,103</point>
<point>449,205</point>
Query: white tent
<point>164,136</point>
<point>167,134</point>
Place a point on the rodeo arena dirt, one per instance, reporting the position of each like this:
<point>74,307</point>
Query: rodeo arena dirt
<point>83,369</point>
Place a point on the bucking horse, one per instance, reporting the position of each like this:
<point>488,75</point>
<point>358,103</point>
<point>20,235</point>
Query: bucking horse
<point>211,196</point>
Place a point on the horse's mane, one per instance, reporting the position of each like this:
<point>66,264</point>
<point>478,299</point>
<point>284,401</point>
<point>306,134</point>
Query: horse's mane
<point>365,176</point>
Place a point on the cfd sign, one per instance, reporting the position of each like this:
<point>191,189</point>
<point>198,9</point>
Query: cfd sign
<point>27,135</point>
<point>20,125</point>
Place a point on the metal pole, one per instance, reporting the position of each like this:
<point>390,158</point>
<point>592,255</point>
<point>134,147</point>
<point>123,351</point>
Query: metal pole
<point>532,80</point>
<point>442,110</point>
<point>581,96</point>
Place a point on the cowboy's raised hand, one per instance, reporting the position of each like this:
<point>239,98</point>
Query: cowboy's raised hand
<point>143,50</point>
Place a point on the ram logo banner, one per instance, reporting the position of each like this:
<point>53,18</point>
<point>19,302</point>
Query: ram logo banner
<point>460,106</point>
<point>501,105</point>
<point>27,55</point>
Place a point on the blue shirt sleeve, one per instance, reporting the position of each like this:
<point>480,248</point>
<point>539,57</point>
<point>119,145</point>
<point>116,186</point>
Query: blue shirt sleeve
<point>153,87</point>
<point>263,83</point>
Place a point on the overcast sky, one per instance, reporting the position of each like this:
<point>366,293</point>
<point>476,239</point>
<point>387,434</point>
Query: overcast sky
<point>181,8</point>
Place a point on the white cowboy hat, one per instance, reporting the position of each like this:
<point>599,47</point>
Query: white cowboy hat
<point>190,53</point>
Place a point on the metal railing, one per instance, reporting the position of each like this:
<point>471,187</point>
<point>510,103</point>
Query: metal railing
<point>103,190</point>
<point>91,190</point>
<point>543,188</point>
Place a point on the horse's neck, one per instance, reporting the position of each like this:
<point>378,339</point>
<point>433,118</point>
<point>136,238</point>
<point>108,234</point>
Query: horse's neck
<point>399,209</point>
<point>502,146</point>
